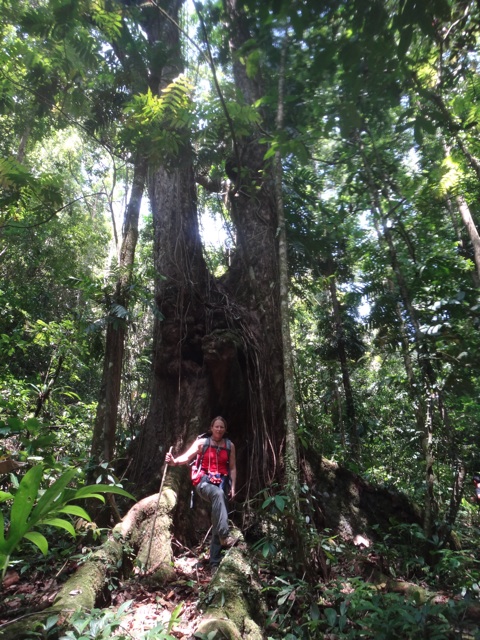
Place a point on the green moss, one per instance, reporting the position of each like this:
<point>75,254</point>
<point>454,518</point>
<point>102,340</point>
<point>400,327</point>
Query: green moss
<point>234,596</point>
<point>224,629</point>
<point>82,589</point>
<point>79,592</point>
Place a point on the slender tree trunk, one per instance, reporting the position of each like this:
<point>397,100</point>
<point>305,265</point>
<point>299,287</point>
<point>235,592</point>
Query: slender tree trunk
<point>427,445</point>
<point>427,377</point>
<point>47,386</point>
<point>291,442</point>
<point>471,230</point>
<point>22,147</point>
<point>350,413</point>
<point>337,406</point>
<point>456,497</point>
<point>104,432</point>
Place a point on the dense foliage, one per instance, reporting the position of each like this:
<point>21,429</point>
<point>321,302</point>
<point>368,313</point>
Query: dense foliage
<point>380,157</point>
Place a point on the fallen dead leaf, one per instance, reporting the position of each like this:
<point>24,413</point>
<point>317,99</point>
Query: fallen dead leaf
<point>10,578</point>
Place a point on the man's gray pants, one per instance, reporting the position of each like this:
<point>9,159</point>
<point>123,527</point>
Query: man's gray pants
<point>214,494</point>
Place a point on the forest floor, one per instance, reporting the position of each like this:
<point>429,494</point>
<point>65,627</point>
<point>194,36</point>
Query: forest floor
<point>145,606</point>
<point>133,607</point>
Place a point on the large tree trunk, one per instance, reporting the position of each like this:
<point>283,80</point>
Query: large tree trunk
<point>180,405</point>
<point>218,347</point>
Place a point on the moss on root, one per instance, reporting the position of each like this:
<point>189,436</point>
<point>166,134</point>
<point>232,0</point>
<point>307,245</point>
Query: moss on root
<point>233,603</point>
<point>80,592</point>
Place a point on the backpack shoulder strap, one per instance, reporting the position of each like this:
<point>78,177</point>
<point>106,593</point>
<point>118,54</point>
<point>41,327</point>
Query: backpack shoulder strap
<point>200,454</point>
<point>228,446</point>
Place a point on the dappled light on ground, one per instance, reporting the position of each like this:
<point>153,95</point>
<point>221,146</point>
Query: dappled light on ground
<point>146,606</point>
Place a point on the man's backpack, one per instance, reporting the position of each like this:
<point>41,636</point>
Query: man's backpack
<point>196,473</point>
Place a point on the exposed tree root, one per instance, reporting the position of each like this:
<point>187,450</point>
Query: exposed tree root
<point>419,594</point>
<point>233,603</point>
<point>151,544</point>
<point>131,536</point>
<point>350,506</point>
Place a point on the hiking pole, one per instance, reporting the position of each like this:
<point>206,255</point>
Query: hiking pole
<point>156,511</point>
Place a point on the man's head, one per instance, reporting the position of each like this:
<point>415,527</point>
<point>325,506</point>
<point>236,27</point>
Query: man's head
<point>476,479</point>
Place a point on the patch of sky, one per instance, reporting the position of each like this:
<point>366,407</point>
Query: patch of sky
<point>411,161</point>
<point>212,229</point>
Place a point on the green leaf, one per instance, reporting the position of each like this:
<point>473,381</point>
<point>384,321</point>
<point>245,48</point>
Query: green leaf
<point>33,425</point>
<point>14,424</point>
<point>94,489</point>
<point>284,595</point>
<point>61,524</point>
<point>331,616</point>
<point>267,502</point>
<point>4,495</point>
<point>280,502</point>
<point>75,510</point>
<point>24,501</point>
<point>42,442</point>
<point>38,540</point>
<point>51,495</point>
<point>314,611</point>
<point>270,152</point>
<point>418,133</point>
<point>88,496</point>
<point>174,616</point>
<point>124,606</point>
